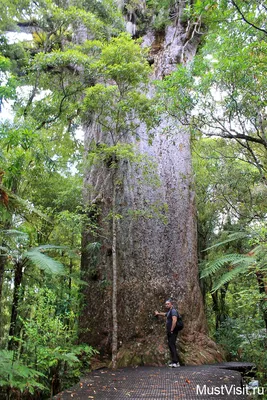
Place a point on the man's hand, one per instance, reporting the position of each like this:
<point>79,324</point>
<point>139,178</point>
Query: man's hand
<point>159,314</point>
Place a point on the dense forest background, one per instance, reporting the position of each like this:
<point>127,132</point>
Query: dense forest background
<point>51,84</point>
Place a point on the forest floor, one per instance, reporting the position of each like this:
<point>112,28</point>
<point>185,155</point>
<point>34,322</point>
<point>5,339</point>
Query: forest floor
<point>158,383</point>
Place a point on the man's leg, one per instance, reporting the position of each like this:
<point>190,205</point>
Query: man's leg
<point>172,346</point>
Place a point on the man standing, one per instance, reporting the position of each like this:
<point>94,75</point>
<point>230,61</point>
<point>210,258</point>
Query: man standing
<point>172,331</point>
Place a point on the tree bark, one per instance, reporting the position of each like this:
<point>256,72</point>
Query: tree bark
<point>155,260</point>
<point>15,303</point>
<point>261,278</point>
<point>114,278</point>
<point>2,272</point>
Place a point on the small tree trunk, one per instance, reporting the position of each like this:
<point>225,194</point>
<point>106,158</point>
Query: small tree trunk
<point>114,278</point>
<point>3,260</point>
<point>263,290</point>
<point>14,313</point>
<point>215,307</point>
<point>69,292</point>
<point>2,271</point>
<point>219,303</point>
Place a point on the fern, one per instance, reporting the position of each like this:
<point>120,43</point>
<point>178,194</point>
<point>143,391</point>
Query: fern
<point>229,276</point>
<point>14,233</point>
<point>70,358</point>
<point>93,247</point>
<point>24,206</point>
<point>58,249</point>
<point>232,237</point>
<point>44,262</point>
<point>4,249</point>
<point>14,374</point>
<point>47,247</point>
<point>216,265</point>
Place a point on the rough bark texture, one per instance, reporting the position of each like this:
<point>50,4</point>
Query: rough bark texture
<point>156,260</point>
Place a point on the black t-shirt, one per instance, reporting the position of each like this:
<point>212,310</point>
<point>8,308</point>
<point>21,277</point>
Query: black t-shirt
<point>171,313</point>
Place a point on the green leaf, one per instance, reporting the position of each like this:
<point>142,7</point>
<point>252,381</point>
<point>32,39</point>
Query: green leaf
<point>44,262</point>
<point>232,237</point>
<point>229,276</point>
<point>228,259</point>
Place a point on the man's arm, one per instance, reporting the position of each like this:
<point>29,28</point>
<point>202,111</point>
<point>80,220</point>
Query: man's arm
<point>174,320</point>
<point>160,314</point>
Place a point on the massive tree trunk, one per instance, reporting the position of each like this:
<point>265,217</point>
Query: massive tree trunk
<point>155,259</point>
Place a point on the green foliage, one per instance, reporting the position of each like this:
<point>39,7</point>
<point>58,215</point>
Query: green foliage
<point>242,334</point>
<point>254,261</point>
<point>161,13</point>
<point>230,238</point>
<point>50,341</point>
<point>221,94</point>
<point>15,375</point>
<point>7,81</point>
<point>119,105</point>
<point>16,251</point>
<point>228,259</point>
<point>123,60</point>
<point>60,60</point>
<point>175,95</point>
<point>48,352</point>
<point>111,154</point>
<point>44,262</point>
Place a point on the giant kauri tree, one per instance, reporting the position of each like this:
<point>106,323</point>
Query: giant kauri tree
<point>134,258</point>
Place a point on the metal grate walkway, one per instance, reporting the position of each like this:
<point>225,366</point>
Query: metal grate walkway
<point>207,382</point>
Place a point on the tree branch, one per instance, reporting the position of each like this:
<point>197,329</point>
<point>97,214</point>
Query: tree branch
<point>246,20</point>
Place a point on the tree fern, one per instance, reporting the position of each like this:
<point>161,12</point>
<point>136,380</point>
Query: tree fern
<point>232,237</point>
<point>4,249</point>
<point>35,255</point>
<point>47,247</point>
<point>93,247</point>
<point>44,262</point>
<point>14,374</point>
<point>14,233</point>
<point>233,259</point>
<point>22,206</point>
<point>229,276</point>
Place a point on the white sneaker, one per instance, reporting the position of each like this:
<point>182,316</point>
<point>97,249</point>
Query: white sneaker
<point>171,365</point>
<point>175,365</point>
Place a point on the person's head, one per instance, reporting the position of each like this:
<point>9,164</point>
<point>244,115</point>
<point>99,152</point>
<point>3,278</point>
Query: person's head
<point>168,304</point>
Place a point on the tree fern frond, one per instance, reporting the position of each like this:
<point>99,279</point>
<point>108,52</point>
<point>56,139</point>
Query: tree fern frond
<point>73,254</point>
<point>246,261</point>
<point>44,262</point>
<point>78,281</point>
<point>23,205</point>
<point>58,249</point>
<point>68,357</point>
<point>229,276</point>
<point>263,268</point>
<point>258,249</point>
<point>216,265</point>
<point>231,238</point>
<point>5,249</point>
<point>94,246</point>
<point>262,264</point>
<point>14,233</point>
<point>48,247</point>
